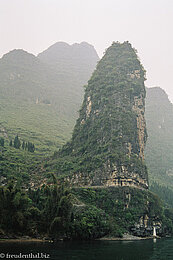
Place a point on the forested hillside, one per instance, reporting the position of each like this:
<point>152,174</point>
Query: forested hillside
<point>39,102</point>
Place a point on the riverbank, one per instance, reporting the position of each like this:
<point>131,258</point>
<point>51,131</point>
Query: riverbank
<point>126,237</point>
<point>35,240</point>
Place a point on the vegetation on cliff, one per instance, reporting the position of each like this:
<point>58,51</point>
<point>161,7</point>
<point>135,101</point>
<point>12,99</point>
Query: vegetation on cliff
<point>56,212</point>
<point>110,132</point>
<point>126,209</point>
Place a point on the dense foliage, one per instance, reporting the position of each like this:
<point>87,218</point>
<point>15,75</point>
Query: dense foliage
<point>165,193</point>
<point>124,206</point>
<point>45,211</point>
<point>56,212</point>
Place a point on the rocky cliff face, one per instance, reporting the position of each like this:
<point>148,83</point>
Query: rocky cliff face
<point>107,146</point>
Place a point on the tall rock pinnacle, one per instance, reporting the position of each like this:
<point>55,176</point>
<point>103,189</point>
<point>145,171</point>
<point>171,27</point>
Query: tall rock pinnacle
<point>107,145</point>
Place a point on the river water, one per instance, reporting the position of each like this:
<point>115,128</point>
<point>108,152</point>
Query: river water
<point>160,249</point>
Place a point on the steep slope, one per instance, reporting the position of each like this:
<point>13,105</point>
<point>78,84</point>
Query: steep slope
<point>107,146</point>
<point>104,160</point>
<point>39,102</point>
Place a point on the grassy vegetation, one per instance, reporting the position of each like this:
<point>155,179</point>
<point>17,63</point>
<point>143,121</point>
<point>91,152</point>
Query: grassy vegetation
<point>17,165</point>
<point>40,124</point>
<point>39,101</point>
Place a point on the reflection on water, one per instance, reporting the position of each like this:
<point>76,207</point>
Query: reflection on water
<point>163,250</point>
<point>160,249</point>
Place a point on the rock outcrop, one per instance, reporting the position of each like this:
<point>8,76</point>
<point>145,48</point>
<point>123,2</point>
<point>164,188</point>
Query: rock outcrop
<point>107,145</point>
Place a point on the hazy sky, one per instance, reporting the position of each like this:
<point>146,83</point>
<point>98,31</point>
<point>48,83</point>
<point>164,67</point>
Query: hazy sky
<point>34,25</point>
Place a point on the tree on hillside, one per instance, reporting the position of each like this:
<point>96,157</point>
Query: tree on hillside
<point>23,145</point>
<point>31,147</point>
<point>17,142</point>
<point>2,141</point>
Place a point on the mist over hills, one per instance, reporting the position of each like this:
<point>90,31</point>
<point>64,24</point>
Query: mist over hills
<point>40,96</point>
<point>159,147</point>
<point>74,63</point>
<point>61,52</point>
<point>24,76</point>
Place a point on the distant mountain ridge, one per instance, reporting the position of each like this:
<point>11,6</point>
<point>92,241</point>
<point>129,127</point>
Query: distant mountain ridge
<point>61,51</point>
<point>40,101</point>
<point>73,61</point>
